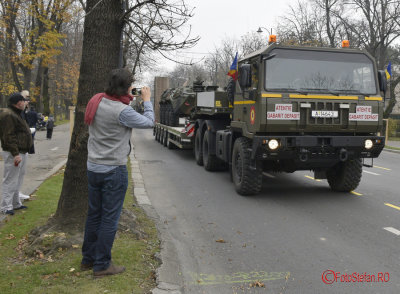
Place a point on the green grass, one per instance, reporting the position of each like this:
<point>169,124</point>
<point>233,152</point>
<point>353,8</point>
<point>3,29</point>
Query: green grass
<point>394,139</point>
<point>391,147</point>
<point>60,273</point>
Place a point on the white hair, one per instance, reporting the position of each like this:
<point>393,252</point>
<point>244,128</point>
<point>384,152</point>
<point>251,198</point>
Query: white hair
<point>25,93</point>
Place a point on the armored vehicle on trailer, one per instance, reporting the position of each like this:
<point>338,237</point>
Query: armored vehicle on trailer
<point>294,108</point>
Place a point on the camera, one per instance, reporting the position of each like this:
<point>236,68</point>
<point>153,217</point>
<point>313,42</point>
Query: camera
<point>136,91</point>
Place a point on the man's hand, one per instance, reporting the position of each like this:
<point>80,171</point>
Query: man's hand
<point>17,160</point>
<point>146,94</point>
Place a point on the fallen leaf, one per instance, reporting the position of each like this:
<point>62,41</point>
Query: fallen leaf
<point>75,246</point>
<point>257,284</point>
<point>220,241</point>
<point>71,270</point>
<point>10,237</point>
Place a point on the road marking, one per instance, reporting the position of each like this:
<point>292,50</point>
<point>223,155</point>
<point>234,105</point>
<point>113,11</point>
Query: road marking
<point>382,167</point>
<point>371,173</point>
<point>355,193</point>
<point>54,149</point>
<point>269,175</point>
<point>392,206</point>
<point>239,277</point>
<point>313,178</point>
<point>392,230</point>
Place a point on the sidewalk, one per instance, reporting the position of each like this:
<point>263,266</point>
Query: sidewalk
<point>50,156</point>
<point>393,144</point>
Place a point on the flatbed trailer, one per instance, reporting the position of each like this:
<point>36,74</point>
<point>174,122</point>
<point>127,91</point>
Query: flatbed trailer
<point>174,137</point>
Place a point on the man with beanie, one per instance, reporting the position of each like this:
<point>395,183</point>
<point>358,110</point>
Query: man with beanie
<point>16,139</point>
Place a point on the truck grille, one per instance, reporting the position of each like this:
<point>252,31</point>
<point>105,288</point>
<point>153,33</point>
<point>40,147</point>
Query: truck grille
<point>307,119</point>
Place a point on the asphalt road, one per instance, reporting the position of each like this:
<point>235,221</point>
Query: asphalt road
<point>296,236</point>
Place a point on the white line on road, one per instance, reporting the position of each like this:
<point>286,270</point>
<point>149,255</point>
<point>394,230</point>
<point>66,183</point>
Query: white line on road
<point>392,230</point>
<point>54,149</point>
<point>269,175</point>
<point>371,173</point>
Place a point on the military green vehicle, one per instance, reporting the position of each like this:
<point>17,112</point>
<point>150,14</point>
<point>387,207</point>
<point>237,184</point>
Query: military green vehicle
<point>294,108</point>
<point>182,102</point>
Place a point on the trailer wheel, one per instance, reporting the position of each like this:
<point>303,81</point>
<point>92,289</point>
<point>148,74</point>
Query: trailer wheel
<point>170,145</point>
<point>155,132</point>
<point>198,152</point>
<point>165,138</point>
<point>345,176</point>
<point>211,162</point>
<point>247,181</point>
<point>158,135</point>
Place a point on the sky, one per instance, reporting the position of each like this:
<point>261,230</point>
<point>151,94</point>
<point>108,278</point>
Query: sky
<point>216,20</point>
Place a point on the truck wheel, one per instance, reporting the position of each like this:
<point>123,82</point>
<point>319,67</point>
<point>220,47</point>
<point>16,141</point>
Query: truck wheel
<point>247,181</point>
<point>211,162</point>
<point>155,133</point>
<point>158,135</point>
<point>170,145</point>
<point>198,152</point>
<point>165,138</point>
<point>345,176</point>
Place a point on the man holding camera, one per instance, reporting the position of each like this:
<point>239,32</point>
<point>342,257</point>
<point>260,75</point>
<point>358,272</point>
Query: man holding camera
<point>110,120</point>
<point>16,140</point>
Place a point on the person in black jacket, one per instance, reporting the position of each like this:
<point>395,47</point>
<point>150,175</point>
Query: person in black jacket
<point>49,127</point>
<point>16,140</point>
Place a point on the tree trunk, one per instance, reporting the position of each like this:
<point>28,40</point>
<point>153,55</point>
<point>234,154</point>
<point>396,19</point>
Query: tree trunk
<point>100,52</point>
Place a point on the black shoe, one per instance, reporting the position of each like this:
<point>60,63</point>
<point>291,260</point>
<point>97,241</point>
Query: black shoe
<point>21,207</point>
<point>10,212</point>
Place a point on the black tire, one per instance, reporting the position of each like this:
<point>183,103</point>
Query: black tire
<point>230,89</point>
<point>198,152</point>
<point>211,162</point>
<point>158,135</point>
<point>155,133</point>
<point>170,145</point>
<point>345,176</point>
<point>165,138</point>
<point>247,181</point>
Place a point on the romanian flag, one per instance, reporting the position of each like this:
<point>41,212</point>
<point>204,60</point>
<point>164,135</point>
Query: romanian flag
<point>233,71</point>
<point>389,70</point>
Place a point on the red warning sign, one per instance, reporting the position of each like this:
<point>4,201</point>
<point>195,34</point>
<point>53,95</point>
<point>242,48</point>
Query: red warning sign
<point>252,115</point>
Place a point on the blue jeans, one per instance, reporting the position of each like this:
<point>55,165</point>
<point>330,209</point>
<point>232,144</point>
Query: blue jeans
<point>106,197</point>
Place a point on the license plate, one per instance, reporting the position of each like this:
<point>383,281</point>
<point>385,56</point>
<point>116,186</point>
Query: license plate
<point>324,114</point>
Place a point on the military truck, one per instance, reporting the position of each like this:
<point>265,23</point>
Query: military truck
<point>292,108</point>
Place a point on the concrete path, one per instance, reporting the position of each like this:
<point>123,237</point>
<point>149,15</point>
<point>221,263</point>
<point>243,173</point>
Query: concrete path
<point>50,156</point>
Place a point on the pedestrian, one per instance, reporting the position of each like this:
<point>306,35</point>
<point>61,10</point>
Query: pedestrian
<point>31,117</point>
<point>110,120</point>
<point>16,140</point>
<point>49,127</point>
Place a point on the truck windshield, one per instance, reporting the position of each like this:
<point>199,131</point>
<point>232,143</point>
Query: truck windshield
<point>319,72</point>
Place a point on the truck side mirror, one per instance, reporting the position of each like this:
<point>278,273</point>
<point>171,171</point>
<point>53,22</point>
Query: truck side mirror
<point>245,76</point>
<point>382,82</point>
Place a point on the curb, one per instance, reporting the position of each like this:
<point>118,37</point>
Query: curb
<point>392,150</point>
<point>167,275</point>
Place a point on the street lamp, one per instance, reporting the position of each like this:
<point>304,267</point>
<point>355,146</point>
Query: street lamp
<point>260,30</point>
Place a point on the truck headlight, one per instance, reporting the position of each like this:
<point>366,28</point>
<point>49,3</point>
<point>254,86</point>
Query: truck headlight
<point>273,144</point>
<point>368,144</point>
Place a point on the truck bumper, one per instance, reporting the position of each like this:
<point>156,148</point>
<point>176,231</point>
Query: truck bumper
<point>317,147</point>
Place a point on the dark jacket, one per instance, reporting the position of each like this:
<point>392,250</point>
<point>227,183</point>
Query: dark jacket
<point>15,134</point>
<point>32,118</point>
